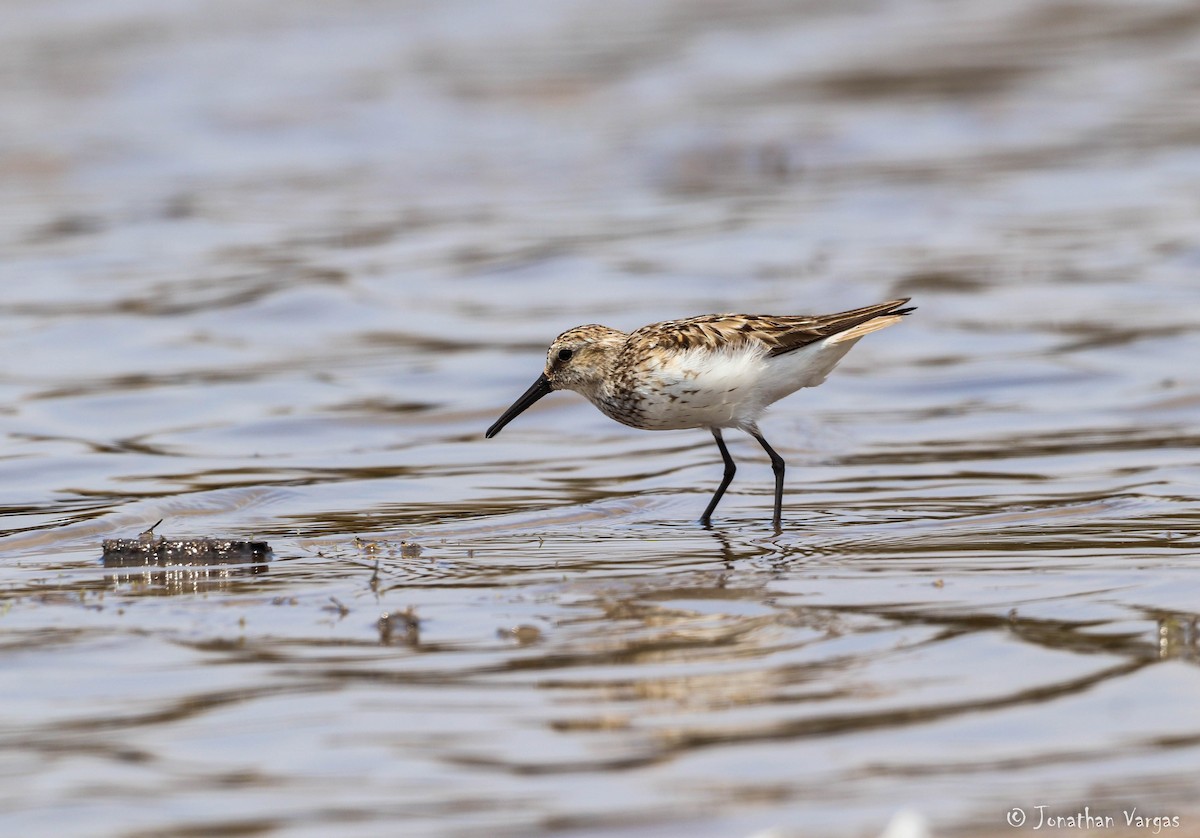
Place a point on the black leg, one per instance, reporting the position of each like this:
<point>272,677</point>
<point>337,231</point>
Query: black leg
<point>777,466</point>
<point>730,470</point>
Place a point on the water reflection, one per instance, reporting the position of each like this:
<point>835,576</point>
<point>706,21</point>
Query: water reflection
<point>275,273</point>
<point>173,579</point>
<point>1179,637</point>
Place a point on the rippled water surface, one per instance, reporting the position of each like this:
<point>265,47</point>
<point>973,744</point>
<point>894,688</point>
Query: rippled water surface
<point>270,269</point>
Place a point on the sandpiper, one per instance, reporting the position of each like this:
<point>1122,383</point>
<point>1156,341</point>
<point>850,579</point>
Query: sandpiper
<point>715,371</point>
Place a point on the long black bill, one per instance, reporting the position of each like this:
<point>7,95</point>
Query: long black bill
<point>540,388</point>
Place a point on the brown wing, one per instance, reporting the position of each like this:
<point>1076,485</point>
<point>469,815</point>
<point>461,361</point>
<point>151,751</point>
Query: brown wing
<point>779,333</point>
<point>812,329</point>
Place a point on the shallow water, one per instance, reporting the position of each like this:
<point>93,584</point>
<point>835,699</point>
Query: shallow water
<point>269,271</point>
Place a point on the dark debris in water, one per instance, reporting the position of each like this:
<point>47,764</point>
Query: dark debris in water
<point>185,550</point>
<point>149,548</point>
<point>523,634</point>
<point>403,626</point>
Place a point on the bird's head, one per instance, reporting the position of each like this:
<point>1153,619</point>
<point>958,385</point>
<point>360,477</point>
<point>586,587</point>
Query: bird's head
<point>579,359</point>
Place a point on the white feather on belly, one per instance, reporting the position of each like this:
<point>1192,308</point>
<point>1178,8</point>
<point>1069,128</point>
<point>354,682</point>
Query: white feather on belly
<point>730,388</point>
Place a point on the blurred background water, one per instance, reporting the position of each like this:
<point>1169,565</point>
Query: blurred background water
<point>269,270</point>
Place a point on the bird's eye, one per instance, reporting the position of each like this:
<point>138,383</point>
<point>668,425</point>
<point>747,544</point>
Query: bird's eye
<point>565,354</point>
